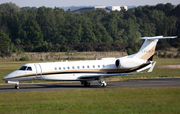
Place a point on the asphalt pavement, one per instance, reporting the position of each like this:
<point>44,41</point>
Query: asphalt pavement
<point>130,83</point>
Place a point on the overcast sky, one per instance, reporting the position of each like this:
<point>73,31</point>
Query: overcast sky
<point>61,3</point>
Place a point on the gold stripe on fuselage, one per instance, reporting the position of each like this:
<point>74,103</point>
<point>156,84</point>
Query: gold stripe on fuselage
<point>80,71</point>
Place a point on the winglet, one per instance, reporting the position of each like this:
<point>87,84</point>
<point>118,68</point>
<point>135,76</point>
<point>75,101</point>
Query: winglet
<point>151,69</point>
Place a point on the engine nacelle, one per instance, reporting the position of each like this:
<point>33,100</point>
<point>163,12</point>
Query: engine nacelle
<point>118,63</point>
<point>127,63</point>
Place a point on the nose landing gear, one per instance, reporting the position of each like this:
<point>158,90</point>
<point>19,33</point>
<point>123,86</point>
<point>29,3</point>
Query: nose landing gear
<point>13,82</point>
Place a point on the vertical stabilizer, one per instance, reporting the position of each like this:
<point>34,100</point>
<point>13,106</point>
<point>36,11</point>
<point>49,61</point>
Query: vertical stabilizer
<point>148,48</point>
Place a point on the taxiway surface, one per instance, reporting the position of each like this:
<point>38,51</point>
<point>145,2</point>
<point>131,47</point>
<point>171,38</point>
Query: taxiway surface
<point>130,83</point>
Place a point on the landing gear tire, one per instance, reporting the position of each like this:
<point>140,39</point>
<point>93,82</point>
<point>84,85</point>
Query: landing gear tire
<point>103,85</point>
<point>86,84</point>
<point>102,82</point>
<point>16,87</point>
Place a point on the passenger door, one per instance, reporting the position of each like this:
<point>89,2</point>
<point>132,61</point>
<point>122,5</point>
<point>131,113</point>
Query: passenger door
<point>38,70</point>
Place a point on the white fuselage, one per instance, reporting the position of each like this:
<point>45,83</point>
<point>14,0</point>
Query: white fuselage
<point>72,70</point>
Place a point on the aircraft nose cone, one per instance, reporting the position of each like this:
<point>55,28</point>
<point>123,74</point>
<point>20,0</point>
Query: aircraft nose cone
<point>8,76</point>
<point>5,78</point>
<point>11,75</point>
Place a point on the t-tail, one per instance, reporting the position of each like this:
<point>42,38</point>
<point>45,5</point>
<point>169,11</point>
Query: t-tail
<point>147,50</point>
<point>141,60</point>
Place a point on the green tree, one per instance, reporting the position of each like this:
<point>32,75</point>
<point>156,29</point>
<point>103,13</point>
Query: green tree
<point>105,37</point>
<point>88,35</point>
<point>45,47</point>
<point>148,29</point>
<point>35,26</point>
<point>159,19</point>
<point>14,24</point>
<point>135,50</point>
<point>132,33</point>
<point>34,34</point>
<point>18,41</point>
<point>45,20</point>
<point>9,6</point>
<point>129,51</point>
<point>176,13</point>
<point>50,46</point>
<point>58,26</point>
<point>23,37</point>
<point>113,28</point>
<point>4,41</point>
<point>76,31</point>
<point>160,7</point>
<point>168,9</point>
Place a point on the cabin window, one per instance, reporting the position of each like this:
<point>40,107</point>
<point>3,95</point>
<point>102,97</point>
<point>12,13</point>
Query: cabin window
<point>78,67</point>
<point>23,68</point>
<point>98,66</point>
<point>59,68</point>
<point>29,69</point>
<point>68,67</point>
<point>55,68</point>
<point>103,66</point>
<point>64,68</point>
<point>73,67</point>
<point>83,67</point>
<point>87,66</point>
<point>93,66</point>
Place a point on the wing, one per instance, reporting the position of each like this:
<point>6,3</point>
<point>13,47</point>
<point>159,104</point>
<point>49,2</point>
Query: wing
<point>97,77</point>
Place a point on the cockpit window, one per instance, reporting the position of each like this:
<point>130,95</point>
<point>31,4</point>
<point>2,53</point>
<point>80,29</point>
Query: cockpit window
<point>29,69</point>
<point>23,68</point>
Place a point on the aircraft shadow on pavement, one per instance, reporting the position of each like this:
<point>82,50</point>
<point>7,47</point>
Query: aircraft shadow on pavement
<point>64,86</point>
<point>49,86</point>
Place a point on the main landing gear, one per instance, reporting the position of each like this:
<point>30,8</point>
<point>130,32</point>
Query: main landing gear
<point>16,86</point>
<point>101,81</point>
<point>85,83</point>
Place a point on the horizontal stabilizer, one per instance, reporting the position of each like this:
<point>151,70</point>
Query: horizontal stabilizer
<point>158,37</point>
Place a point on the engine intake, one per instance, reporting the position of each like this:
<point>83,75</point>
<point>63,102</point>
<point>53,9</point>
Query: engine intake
<point>118,63</point>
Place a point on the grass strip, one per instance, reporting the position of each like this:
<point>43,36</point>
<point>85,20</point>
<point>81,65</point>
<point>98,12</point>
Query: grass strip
<point>121,100</point>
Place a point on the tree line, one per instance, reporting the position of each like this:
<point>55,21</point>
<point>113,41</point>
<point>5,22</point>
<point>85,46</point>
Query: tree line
<point>47,29</point>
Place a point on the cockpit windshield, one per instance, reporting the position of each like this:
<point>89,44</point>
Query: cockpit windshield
<point>23,68</point>
<point>29,69</point>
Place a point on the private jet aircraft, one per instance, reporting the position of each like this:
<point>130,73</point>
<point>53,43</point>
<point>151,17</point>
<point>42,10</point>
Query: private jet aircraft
<point>89,71</point>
